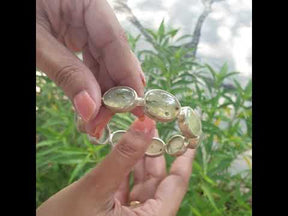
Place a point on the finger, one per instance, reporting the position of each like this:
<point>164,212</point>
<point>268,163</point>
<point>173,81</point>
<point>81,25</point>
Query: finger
<point>139,171</point>
<point>109,174</point>
<point>122,194</point>
<point>173,188</point>
<point>108,39</point>
<point>152,177</point>
<point>155,166</point>
<point>95,126</point>
<point>148,173</point>
<point>145,166</point>
<point>68,72</point>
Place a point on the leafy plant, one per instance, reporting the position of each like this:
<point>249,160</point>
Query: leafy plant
<point>64,155</point>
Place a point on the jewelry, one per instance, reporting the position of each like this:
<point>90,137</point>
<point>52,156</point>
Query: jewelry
<point>158,105</point>
<point>134,204</point>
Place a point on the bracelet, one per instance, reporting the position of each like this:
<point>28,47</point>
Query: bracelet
<point>158,105</point>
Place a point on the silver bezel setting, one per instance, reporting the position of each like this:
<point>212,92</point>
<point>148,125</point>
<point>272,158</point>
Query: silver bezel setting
<point>180,151</point>
<point>113,134</point>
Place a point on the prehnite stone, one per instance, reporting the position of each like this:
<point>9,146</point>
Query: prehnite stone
<point>176,145</point>
<point>116,137</point>
<point>120,99</point>
<point>155,148</point>
<point>190,125</point>
<point>161,105</point>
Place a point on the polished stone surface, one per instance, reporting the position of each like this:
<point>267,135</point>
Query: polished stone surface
<point>176,145</point>
<point>120,99</point>
<point>189,123</point>
<point>156,147</point>
<point>161,105</point>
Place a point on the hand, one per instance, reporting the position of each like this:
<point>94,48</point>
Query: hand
<point>105,190</point>
<point>89,26</point>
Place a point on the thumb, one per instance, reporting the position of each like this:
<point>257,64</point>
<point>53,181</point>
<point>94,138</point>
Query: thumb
<point>69,73</point>
<point>110,173</point>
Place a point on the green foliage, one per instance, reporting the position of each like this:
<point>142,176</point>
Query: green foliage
<point>64,155</point>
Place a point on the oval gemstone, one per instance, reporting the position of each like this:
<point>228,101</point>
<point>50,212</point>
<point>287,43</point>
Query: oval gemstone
<point>156,147</point>
<point>176,146</point>
<point>189,123</point>
<point>161,105</point>
<point>120,99</point>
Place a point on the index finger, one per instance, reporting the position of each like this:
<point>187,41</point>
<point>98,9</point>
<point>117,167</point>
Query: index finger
<point>107,40</point>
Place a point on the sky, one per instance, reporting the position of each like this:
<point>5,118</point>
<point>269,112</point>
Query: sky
<point>226,34</point>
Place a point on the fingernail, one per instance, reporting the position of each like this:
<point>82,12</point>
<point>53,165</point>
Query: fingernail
<point>84,105</point>
<point>99,129</point>
<point>98,132</point>
<point>143,78</point>
<point>147,126</point>
<point>96,125</point>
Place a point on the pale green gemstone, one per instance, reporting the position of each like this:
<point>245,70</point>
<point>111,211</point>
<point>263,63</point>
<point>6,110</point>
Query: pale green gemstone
<point>103,139</point>
<point>116,136</point>
<point>120,99</point>
<point>161,105</point>
<point>176,146</point>
<point>189,123</point>
<point>156,147</point>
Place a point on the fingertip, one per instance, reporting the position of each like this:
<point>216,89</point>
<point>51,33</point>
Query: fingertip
<point>144,125</point>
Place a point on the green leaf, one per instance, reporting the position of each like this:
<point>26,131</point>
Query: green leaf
<point>46,143</point>
<point>195,211</point>
<point>207,192</point>
<point>184,37</point>
<point>152,33</point>
<point>78,169</point>
<point>173,32</point>
<point>161,30</point>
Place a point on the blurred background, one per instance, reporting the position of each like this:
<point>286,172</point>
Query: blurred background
<point>226,33</point>
<point>200,51</point>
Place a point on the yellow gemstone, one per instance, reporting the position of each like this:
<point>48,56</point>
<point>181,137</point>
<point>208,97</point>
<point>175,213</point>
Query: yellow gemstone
<point>189,123</point>
<point>176,145</point>
<point>156,147</point>
<point>120,99</point>
<point>161,105</point>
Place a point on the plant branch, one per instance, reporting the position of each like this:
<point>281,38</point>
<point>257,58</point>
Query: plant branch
<point>197,31</point>
<point>123,7</point>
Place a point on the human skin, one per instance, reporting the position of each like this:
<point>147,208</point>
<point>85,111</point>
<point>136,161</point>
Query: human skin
<point>64,27</point>
<point>90,26</point>
<point>105,190</point>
